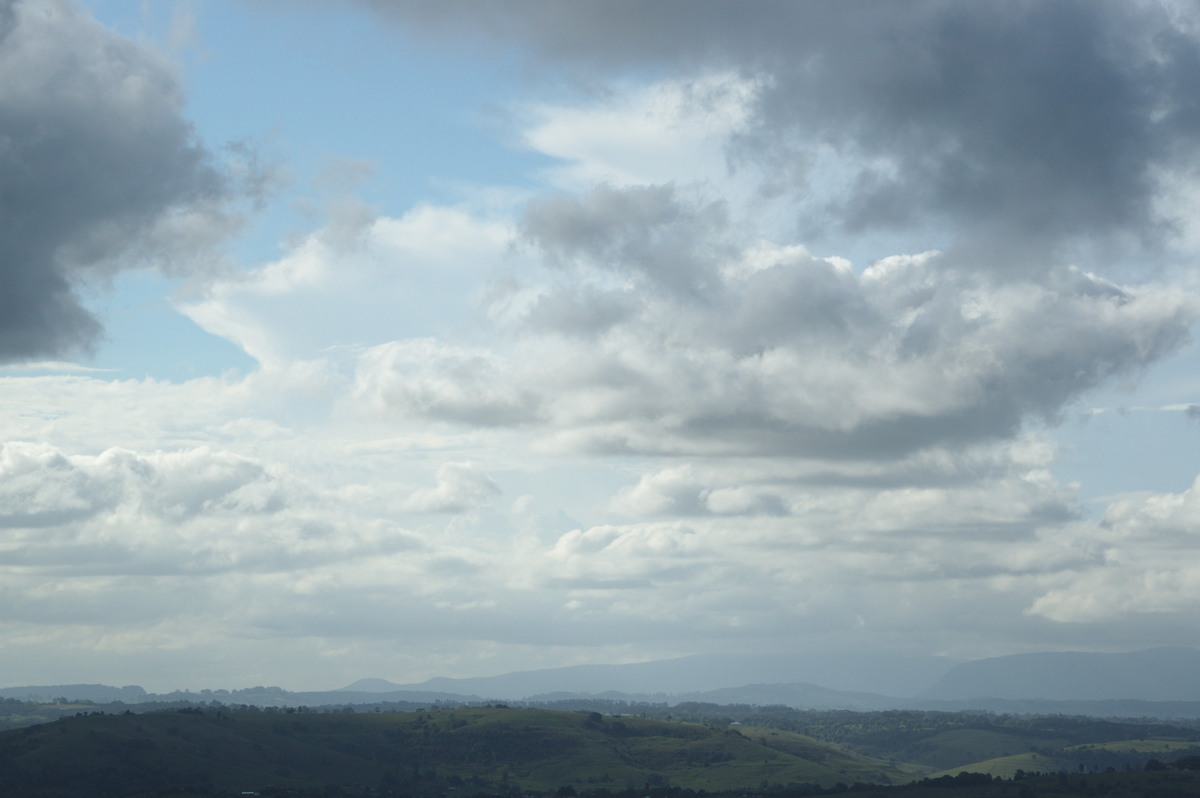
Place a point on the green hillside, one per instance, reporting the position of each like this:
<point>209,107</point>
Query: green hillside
<point>1135,784</point>
<point>1160,748</point>
<point>837,758</point>
<point>950,749</point>
<point>495,750</point>
<point>952,742</point>
<point>501,751</point>
<point>1007,767</point>
<point>1091,757</point>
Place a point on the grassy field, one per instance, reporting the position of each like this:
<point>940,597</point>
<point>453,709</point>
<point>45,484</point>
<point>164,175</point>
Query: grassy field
<point>1070,758</point>
<point>1138,784</point>
<point>1006,767</point>
<point>949,749</point>
<point>1167,748</point>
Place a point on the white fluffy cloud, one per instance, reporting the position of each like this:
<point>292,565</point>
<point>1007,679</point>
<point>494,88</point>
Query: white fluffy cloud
<point>460,487</point>
<point>168,512</point>
<point>426,378</point>
<point>675,130</point>
<point>408,277</point>
<point>1145,563</point>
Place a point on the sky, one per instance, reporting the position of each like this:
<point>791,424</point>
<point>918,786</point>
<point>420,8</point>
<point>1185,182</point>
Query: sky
<point>421,338</point>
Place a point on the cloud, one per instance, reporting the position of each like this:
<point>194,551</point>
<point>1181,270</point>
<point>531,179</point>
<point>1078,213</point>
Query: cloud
<point>1032,126</point>
<point>608,557</point>
<point>1046,119</point>
<point>644,319</point>
<point>665,318</point>
<point>426,378</point>
<point>671,130</point>
<point>43,486</point>
<point>408,277</point>
<point>650,232</point>
<point>681,491</point>
<point>460,488</point>
<point>722,420</point>
<point>100,170</point>
<point>190,511</point>
<point>705,342</point>
<point>1145,567</point>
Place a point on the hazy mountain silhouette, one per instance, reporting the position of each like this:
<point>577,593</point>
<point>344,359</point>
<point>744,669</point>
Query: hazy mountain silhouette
<point>891,675</point>
<point>1160,681</point>
<point>1157,674</point>
<point>100,693</point>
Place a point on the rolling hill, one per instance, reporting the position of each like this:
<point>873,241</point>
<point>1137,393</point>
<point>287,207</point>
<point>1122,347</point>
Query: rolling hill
<point>424,753</point>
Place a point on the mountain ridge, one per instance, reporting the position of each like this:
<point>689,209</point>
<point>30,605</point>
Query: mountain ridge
<point>1161,681</point>
<point>882,674</point>
<point>1165,673</point>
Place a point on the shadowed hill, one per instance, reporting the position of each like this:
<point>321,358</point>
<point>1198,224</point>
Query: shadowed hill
<point>423,753</point>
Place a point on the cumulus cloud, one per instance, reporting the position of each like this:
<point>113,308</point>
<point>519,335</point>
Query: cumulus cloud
<point>616,558</point>
<point>460,488</point>
<point>195,510</point>
<point>42,487</point>
<point>1049,121</point>
<point>169,485</point>
<point>1145,567</point>
<point>660,320</point>
<point>716,344</point>
<point>681,491</point>
<point>427,378</point>
<point>649,232</point>
<point>408,277</point>
<point>643,319</point>
<point>846,563</point>
<point>100,169</point>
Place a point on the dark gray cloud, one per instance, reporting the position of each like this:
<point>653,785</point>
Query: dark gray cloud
<point>649,231</point>
<point>1045,121</point>
<point>769,350</point>
<point>1038,128</point>
<point>94,156</point>
<point>581,312</point>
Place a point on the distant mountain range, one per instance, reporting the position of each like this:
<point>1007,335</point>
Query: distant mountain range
<point>1157,674</point>
<point>885,675</point>
<point>100,693</point>
<point>1160,682</point>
